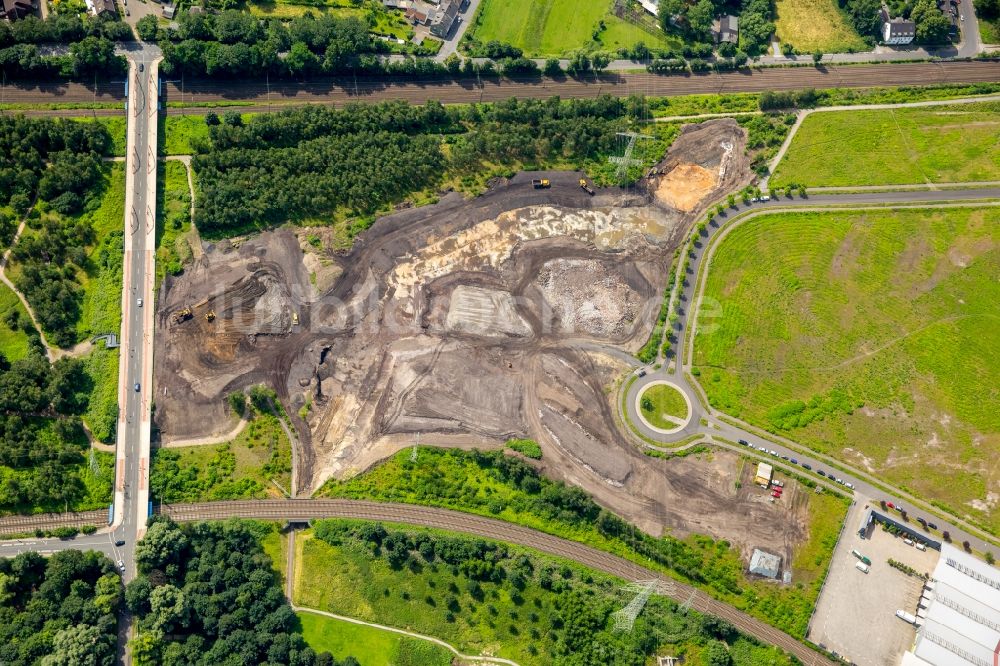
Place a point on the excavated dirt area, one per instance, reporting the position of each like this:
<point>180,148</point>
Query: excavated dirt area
<point>465,323</point>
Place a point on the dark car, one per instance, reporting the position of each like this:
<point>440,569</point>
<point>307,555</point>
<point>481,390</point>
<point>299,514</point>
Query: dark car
<point>142,67</point>
<point>821,472</point>
<point>806,466</point>
<point>120,543</point>
<point>932,526</point>
<point>137,387</point>
<point>794,461</point>
<point>744,442</point>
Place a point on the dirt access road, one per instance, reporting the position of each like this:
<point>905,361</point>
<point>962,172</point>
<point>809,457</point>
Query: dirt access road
<point>467,323</point>
<point>341,91</point>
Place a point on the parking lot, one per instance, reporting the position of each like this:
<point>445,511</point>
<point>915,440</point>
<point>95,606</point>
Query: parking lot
<point>853,602</point>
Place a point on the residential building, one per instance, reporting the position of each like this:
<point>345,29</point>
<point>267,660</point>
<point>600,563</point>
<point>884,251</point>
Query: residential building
<point>896,30</point>
<point>416,17</point>
<point>651,6</point>
<point>443,18</point>
<point>169,11</point>
<point>765,564</point>
<point>101,7</point>
<point>726,29</point>
<point>16,9</point>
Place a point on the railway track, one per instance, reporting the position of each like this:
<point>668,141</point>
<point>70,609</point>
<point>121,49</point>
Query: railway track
<point>339,91</point>
<point>303,510</point>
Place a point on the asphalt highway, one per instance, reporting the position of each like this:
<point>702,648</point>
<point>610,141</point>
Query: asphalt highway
<point>678,372</point>
<point>135,360</point>
<point>343,90</point>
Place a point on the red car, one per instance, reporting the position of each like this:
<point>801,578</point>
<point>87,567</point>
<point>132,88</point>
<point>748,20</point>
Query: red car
<point>776,494</point>
<point>890,505</point>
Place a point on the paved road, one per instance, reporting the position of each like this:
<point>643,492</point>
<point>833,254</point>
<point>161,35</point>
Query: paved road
<point>301,510</point>
<point>136,355</point>
<point>341,91</point>
<point>678,372</point>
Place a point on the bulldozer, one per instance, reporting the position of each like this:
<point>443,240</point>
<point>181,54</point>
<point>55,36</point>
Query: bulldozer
<point>586,188</point>
<point>210,315</point>
<point>181,315</point>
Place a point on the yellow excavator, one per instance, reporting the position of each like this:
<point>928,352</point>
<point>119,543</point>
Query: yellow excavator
<point>210,315</point>
<point>182,315</point>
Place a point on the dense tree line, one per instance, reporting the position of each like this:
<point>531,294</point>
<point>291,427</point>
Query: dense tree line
<point>309,162</point>
<point>60,610</point>
<point>91,46</point>
<point>207,594</point>
<point>41,435</point>
<point>60,163</point>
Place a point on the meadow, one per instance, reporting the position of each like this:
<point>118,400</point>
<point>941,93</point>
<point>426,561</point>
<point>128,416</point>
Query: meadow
<point>491,484</point>
<point>489,598</point>
<point>809,25</point>
<point>369,645</point>
<point>244,468</point>
<point>558,27</point>
<point>870,336</point>
<point>13,342</point>
<point>941,144</point>
<point>174,235</point>
<point>662,400</point>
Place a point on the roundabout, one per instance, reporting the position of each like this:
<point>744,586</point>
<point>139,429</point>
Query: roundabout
<point>663,407</point>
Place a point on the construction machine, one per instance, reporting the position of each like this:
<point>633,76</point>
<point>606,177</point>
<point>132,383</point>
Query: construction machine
<point>210,315</point>
<point>182,315</point>
<point>586,188</point>
<point>541,183</point>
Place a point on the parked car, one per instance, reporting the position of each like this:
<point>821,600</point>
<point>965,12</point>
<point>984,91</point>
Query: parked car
<point>932,526</point>
<point>794,461</point>
<point>840,481</point>
<point>744,442</point>
<point>908,542</point>
<point>821,472</point>
<point>780,484</point>
<point>774,453</point>
<point>850,485</point>
<point>784,457</point>
<point>765,197</point>
<point>890,505</point>
<point>921,546</point>
<point>762,448</point>
<point>807,466</point>
<point>862,567</point>
<point>776,494</point>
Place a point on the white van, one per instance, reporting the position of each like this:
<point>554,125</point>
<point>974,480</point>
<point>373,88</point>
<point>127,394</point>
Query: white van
<point>908,542</point>
<point>862,567</point>
<point>921,546</point>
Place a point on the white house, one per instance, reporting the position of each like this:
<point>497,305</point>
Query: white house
<point>896,30</point>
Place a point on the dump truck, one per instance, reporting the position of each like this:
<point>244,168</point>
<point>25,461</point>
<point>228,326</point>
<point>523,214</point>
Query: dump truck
<point>181,315</point>
<point>585,187</point>
<point>210,315</point>
<point>541,183</point>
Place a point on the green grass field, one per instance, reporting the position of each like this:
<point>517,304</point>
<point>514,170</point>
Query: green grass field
<point>241,469</point>
<point>943,144</point>
<point>453,479</point>
<point>102,281</point>
<point>815,24</point>
<point>13,344</point>
<point>174,236</point>
<point>370,646</point>
<point>871,336</point>
<point>989,31</point>
<point>180,131</point>
<point>663,400</point>
<point>525,613</point>
<point>557,27</point>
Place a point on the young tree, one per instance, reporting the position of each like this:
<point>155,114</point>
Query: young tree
<point>600,61</point>
<point>553,68</point>
<point>817,56</point>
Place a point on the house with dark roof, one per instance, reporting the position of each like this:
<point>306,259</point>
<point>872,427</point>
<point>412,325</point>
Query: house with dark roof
<point>444,17</point>
<point>102,7</point>
<point>16,9</point>
<point>896,30</point>
<point>726,29</point>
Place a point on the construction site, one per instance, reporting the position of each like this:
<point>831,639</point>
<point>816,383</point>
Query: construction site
<point>466,323</point>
